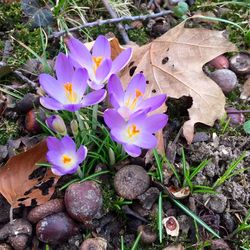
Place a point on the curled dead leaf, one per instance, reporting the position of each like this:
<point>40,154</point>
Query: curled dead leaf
<point>180,193</point>
<point>24,183</point>
<point>173,63</point>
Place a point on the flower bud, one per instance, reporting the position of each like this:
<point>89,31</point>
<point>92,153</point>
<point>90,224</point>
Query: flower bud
<point>111,157</point>
<point>74,127</point>
<point>56,123</point>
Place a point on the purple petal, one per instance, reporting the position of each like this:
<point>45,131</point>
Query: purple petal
<point>64,68</point>
<point>155,122</point>
<point>81,154</point>
<point>54,157</point>
<point>80,53</point>
<point>101,47</point>
<point>54,144</point>
<point>51,103</point>
<point>121,60</point>
<point>119,134</point>
<point>145,140</point>
<point>52,87</point>
<point>72,107</point>
<point>103,70</point>
<point>153,102</point>
<point>79,81</point>
<point>68,144</point>
<point>93,97</point>
<point>113,119</point>
<point>57,170</point>
<point>95,86</point>
<point>138,83</point>
<point>116,94</point>
<point>132,150</point>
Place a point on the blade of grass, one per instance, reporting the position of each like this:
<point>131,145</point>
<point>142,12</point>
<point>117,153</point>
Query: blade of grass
<point>122,243</point>
<point>160,233</point>
<point>95,175</point>
<point>198,169</point>
<point>195,217</point>
<point>135,245</point>
<point>11,93</point>
<point>171,166</point>
<point>159,165</point>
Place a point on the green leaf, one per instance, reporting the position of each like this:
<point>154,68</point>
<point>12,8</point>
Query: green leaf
<point>181,9</point>
<point>246,127</point>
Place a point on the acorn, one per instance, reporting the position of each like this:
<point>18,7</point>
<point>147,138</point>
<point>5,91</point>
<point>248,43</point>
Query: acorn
<point>235,118</point>
<point>148,236</point>
<point>220,62</point>
<point>225,78</point>
<point>28,102</point>
<point>46,209</point>
<point>131,181</point>
<point>240,63</point>
<point>31,124</point>
<point>97,243</point>
<point>83,201</point>
<point>56,228</point>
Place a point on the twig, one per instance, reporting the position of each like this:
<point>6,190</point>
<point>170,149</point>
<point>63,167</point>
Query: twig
<point>119,26</point>
<point>24,78</point>
<point>109,21</point>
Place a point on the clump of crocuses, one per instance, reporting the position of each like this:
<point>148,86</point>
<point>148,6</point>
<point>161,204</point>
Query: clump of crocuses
<point>130,121</point>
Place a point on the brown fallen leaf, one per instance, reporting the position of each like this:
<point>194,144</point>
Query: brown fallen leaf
<point>246,90</point>
<point>173,64</point>
<point>24,183</point>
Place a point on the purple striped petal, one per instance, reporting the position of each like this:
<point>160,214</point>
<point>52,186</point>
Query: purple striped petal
<point>153,102</point>
<point>68,144</point>
<point>138,83</point>
<point>52,87</point>
<point>79,81</point>
<point>121,60</point>
<point>132,150</point>
<point>113,119</point>
<point>155,122</point>
<point>81,153</point>
<point>51,103</point>
<point>146,140</point>
<point>72,107</point>
<point>64,68</point>
<point>103,70</point>
<point>80,53</point>
<point>101,47</point>
<point>116,94</point>
<point>93,97</point>
<point>54,144</point>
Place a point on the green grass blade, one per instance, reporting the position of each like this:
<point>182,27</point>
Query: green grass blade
<point>159,164</point>
<point>95,175</point>
<point>135,245</point>
<point>195,217</point>
<point>159,219</point>
<point>122,243</point>
<point>171,166</point>
<point>17,96</point>
<point>198,169</point>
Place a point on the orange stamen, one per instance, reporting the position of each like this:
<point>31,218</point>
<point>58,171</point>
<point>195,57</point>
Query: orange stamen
<point>70,94</point>
<point>97,61</point>
<point>138,93</point>
<point>132,131</point>
<point>66,159</point>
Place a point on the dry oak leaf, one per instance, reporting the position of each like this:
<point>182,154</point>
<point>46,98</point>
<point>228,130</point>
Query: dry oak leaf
<point>24,183</point>
<point>173,64</point>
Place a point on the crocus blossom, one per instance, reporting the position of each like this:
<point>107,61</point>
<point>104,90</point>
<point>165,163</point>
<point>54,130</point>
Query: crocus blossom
<point>64,156</point>
<point>137,132</point>
<point>132,100</point>
<point>66,92</point>
<point>98,63</point>
<point>56,123</point>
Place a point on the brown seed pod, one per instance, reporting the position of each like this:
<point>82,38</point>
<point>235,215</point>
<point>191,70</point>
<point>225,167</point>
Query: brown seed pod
<point>148,236</point>
<point>240,63</point>
<point>83,200</point>
<point>235,119</point>
<point>131,181</point>
<point>220,62</point>
<point>56,228</point>
<point>28,102</point>
<point>18,242</point>
<point>94,244</point>
<point>225,78</point>
<point>171,225</point>
<point>31,124</point>
<point>48,208</point>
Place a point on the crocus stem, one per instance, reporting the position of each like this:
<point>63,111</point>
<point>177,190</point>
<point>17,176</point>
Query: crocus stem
<point>94,116</point>
<point>79,120</point>
<point>80,173</point>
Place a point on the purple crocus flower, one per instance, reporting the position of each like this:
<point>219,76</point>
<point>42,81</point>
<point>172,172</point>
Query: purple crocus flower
<point>132,100</point>
<point>63,156</point>
<point>98,63</point>
<point>137,132</point>
<point>67,91</point>
<point>56,123</point>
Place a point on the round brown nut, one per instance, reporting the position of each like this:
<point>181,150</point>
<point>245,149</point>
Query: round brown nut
<point>18,242</point>
<point>148,236</point>
<point>240,63</point>
<point>56,228</point>
<point>83,200</point>
<point>131,181</point>
<point>48,208</point>
<point>219,62</point>
<point>94,244</point>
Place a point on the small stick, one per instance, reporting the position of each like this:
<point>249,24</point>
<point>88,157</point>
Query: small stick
<point>110,21</point>
<point>24,78</point>
<point>119,26</point>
